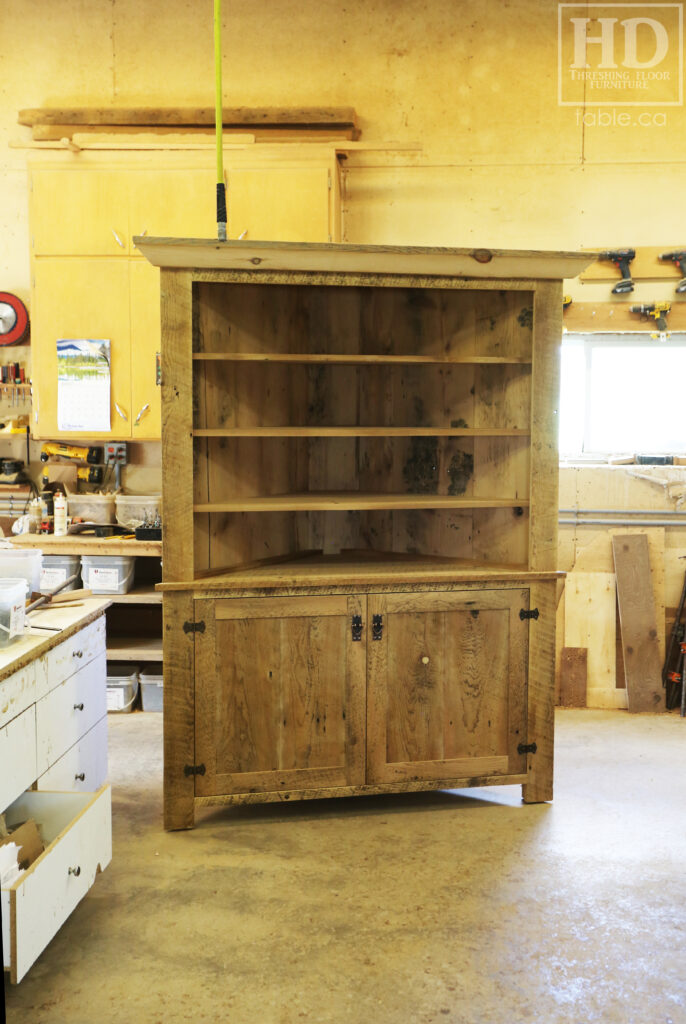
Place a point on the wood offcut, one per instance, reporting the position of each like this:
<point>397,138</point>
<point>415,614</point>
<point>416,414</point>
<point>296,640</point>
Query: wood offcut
<point>640,643</point>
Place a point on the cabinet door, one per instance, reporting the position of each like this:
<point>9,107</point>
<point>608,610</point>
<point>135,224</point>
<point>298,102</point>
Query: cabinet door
<point>146,422</point>
<point>80,298</point>
<point>280,204</point>
<point>172,204</point>
<point>446,685</point>
<point>279,695</point>
<point>79,212</point>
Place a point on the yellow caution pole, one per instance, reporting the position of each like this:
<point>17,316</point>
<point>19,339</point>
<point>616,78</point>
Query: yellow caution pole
<point>218,118</point>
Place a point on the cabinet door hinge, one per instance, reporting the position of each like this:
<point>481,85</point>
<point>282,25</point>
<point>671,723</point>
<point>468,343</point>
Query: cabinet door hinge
<point>194,769</point>
<point>194,627</point>
<point>524,614</point>
<point>356,627</point>
<point>526,748</point>
<point>377,627</point>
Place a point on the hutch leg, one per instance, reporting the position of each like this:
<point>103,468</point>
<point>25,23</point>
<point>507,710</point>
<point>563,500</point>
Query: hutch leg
<point>179,712</point>
<point>541,695</point>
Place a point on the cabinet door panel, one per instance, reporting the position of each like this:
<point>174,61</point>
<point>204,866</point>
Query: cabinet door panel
<point>284,204</point>
<point>279,696</point>
<point>447,685</point>
<point>146,418</point>
<point>79,212</point>
<point>81,298</point>
<point>172,204</point>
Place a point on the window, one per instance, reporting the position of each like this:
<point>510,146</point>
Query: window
<point>622,393</point>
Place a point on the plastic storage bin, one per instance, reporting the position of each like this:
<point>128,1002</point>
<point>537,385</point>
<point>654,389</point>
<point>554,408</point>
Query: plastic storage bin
<point>107,574</point>
<point>18,563</point>
<point>58,568</point>
<point>12,609</point>
<point>151,688</point>
<point>134,510</point>
<point>122,686</point>
<point>92,508</point>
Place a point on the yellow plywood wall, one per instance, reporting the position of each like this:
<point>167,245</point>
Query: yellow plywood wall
<point>502,163</point>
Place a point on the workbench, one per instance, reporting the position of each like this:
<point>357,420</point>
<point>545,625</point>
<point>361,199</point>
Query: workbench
<point>133,634</point>
<point>53,766</point>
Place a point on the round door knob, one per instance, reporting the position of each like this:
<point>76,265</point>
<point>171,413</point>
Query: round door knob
<point>425,660</point>
<point>78,707</point>
<point>75,871</point>
<point>77,654</point>
<point>81,777</point>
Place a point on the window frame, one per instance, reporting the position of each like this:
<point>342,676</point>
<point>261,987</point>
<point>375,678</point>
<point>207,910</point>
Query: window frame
<point>588,341</point>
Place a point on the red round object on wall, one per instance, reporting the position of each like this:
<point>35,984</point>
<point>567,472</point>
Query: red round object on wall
<point>14,319</point>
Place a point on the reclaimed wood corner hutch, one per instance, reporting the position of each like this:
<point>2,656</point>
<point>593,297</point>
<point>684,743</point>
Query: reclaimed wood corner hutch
<point>360,496</point>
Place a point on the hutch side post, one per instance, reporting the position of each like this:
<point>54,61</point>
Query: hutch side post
<point>177,424</point>
<point>547,326</point>
<point>179,710</point>
<point>177,546</point>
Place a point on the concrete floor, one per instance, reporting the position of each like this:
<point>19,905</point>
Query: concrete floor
<point>468,908</point>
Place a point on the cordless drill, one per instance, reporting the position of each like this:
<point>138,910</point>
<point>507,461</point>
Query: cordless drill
<point>679,258</point>
<point>658,310</point>
<point>621,259</point>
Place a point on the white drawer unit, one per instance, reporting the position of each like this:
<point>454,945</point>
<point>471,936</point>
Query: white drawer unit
<point>53,764</point>
<point>17,693</point>
<point>17,755</point>
<point>75,652</point>
<point>77,831</point>
<point>69,711</point>
<point>84,767</point>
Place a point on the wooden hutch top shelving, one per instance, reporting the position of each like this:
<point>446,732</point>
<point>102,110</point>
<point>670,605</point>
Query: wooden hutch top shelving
<point>396,402</point>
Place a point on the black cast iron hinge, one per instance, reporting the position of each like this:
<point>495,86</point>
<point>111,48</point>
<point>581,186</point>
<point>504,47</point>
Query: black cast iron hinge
<point>524,614</point>
<point>526,748</point>
<point>194,627</point>
<point>194,769</point>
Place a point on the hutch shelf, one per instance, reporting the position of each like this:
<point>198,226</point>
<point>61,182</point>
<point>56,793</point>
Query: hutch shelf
<point>360,485</point>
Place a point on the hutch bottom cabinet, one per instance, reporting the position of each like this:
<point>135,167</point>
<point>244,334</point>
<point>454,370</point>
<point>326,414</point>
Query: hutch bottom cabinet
<point>360,490</point>
<point>296,694</point>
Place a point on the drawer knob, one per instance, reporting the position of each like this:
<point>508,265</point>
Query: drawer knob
<point>77,654</point>
<point>75,871</point>
<point>78,707</point>
<point>80,777</point>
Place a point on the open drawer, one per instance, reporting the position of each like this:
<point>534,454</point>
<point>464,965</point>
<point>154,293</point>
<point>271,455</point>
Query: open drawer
<point>77,831</point>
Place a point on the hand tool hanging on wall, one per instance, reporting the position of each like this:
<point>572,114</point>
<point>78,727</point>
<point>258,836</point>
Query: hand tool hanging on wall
<point>678,257</point>
<point>218,120</point>
<point>658,310</point>
<point>92,455</point>
<point>621,259</point>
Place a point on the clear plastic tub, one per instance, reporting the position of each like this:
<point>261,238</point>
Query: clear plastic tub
<point>58,568</point>
<point>12,609</point>
<point>108,574</point>
<point>134,510</point>
<point>122,686</point>
<point>92,508</point>
<point>151,688</point>
<point>19,563</point>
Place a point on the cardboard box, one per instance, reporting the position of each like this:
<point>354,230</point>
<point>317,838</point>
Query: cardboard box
<point>27,837</point>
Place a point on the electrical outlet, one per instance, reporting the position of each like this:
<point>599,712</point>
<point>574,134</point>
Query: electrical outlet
<point>115,453</point>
